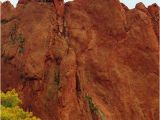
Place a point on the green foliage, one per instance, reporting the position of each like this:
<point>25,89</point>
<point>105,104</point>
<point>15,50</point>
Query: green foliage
<point>17,38</point>
<point>10,109</point>
<point>91,104</point>
<point>102,115</point>
<point>94,108</point>
<point>16,113</point>
<point>57,77</point>
<point>10,99</point>
<point>21,41</point>
<point>13,36</point>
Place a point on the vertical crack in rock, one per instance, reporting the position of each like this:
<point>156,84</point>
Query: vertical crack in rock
<point>116,48</point>
<point>57,76</point>
<point>78,85</point>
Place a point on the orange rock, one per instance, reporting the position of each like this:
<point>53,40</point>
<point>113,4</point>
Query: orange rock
<point>83,60</point>
<point>7,10</point>
<point>141,6</point>
<point>59,5</point>
<point>125,7</point>
<point>154,13</point>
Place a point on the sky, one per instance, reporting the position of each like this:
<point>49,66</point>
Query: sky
<point>129,3</point>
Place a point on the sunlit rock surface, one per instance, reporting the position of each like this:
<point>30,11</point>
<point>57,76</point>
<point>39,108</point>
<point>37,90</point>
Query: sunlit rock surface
<point>83,60</point>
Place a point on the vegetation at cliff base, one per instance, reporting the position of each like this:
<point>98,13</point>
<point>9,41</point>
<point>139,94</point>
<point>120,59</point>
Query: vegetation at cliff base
<point>10,109</point>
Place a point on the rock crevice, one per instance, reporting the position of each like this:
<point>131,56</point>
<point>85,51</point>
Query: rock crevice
<point>96,48</point>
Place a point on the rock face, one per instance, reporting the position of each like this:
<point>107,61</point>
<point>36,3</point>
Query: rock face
<point>83,60</point>
<point>154,13</point>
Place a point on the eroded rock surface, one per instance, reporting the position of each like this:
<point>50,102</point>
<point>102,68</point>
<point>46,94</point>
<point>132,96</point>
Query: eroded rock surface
<point>83,60</point>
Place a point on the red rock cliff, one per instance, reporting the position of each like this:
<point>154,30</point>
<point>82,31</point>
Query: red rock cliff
<point>85,60</point>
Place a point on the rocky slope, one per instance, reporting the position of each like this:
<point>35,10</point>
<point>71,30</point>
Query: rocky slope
<point>83,60</point>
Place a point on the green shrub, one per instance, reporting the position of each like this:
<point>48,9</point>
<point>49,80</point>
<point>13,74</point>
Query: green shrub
<point>10,109</point>
<point>92,107</point>
<point>20,41</point>
<point>12,34</point>
<point>10,99</point>
<point>17,38</point>
<point>57,77</point>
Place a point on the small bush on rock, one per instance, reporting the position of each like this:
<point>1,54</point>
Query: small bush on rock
<point>91,104</point>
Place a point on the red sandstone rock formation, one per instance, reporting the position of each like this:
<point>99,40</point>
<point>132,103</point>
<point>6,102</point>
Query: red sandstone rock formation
<point>154,13</point>
<point>85,60</point>
<point>25,1</point>
<point>59,4</point>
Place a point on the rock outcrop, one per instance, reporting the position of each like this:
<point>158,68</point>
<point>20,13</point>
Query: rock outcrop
<point>154,13</point>
<point>83,60</point>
